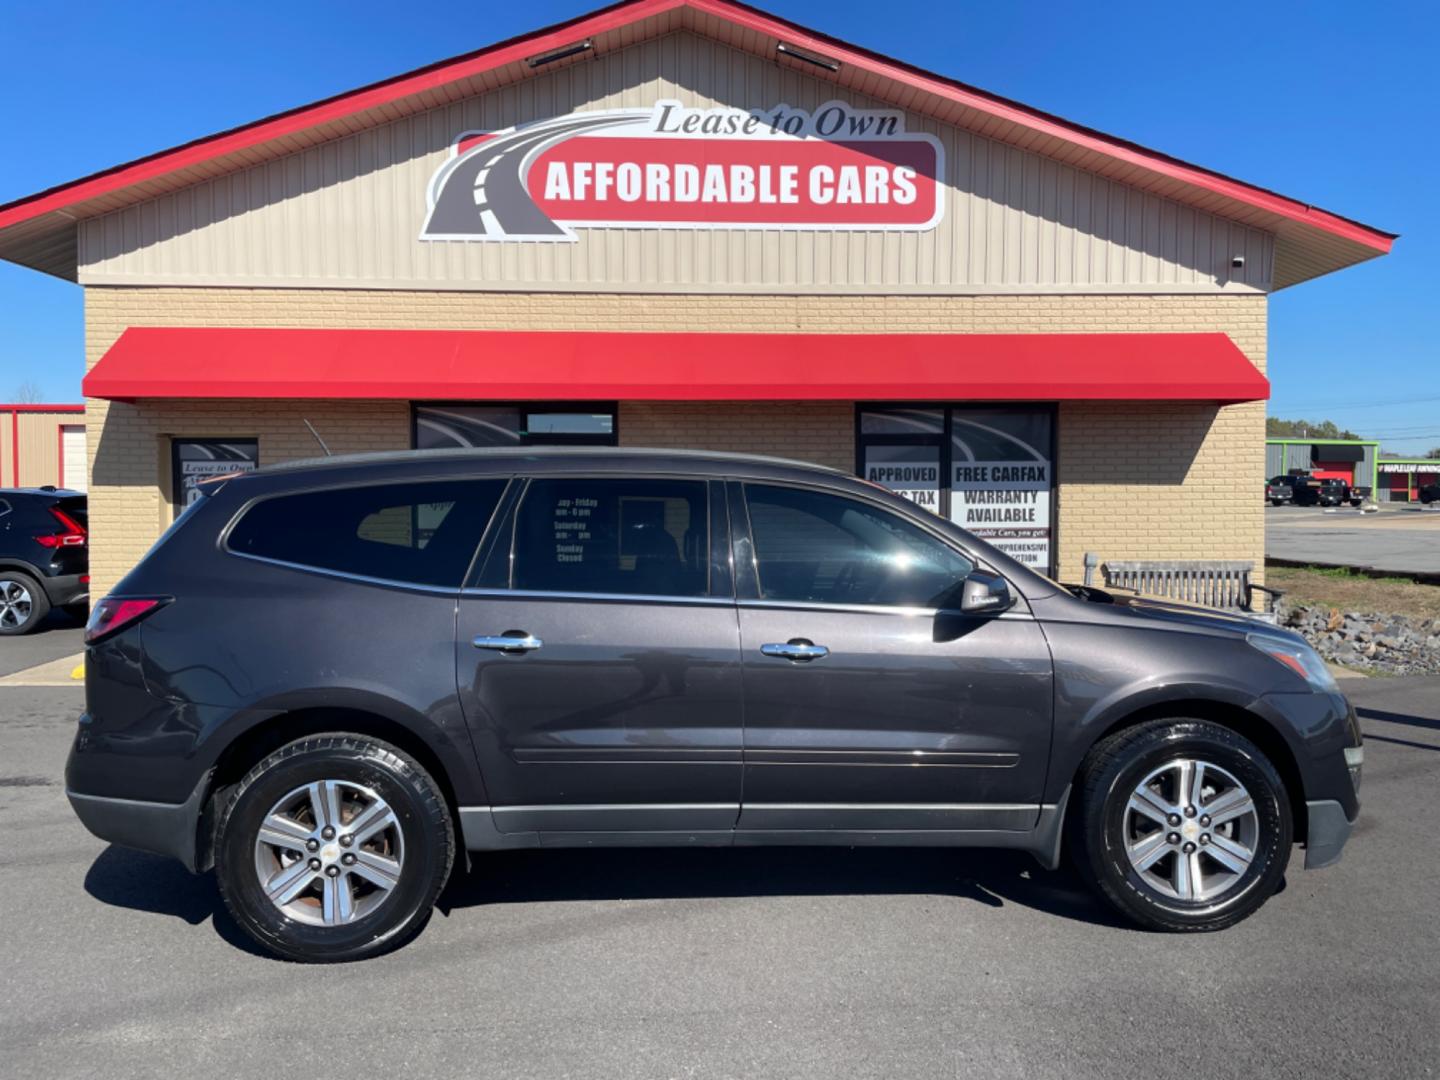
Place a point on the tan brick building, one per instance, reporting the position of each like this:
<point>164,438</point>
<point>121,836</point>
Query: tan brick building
<point>687,223</point>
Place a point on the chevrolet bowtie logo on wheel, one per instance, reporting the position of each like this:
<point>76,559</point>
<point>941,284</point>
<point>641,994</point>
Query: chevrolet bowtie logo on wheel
<point>670,166</point>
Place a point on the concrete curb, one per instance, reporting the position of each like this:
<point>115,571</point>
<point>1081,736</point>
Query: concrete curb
<point>67,671</point>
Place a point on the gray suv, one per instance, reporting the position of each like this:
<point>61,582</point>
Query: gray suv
<point>329,675</point>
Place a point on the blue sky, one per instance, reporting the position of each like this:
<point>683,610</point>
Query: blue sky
<point>1331,103</point>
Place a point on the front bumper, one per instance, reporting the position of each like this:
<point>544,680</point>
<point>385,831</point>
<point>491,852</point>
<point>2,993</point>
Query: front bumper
<point>170,829</point>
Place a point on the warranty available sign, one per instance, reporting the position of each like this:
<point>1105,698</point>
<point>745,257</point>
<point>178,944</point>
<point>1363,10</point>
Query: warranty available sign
<point>670,166</point>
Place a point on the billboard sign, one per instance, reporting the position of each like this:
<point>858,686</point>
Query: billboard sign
<point>671,166</point>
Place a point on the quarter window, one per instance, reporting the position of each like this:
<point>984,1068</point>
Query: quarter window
<point>421,534</point>
<point>638,537</point>
<point>819,548</point>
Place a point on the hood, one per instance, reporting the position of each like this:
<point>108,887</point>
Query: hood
<point>1173,615</point>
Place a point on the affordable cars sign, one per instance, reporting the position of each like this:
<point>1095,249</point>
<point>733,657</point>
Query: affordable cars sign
<point>669,166</point>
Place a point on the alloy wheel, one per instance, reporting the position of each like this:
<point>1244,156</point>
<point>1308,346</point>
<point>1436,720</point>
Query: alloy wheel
<point>329,853</point>
<point>16,604</point>
<point>1191,830</point>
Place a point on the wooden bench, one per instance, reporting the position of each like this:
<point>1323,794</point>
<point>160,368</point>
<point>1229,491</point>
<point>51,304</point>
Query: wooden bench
<point>1213,583</point>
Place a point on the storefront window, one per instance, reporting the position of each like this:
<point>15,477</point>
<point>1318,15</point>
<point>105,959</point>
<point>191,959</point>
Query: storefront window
<point>195,460</point>
<point>989,469</point>
<point>902,422</point>
<point>599,424</point>
<point>444,427</point>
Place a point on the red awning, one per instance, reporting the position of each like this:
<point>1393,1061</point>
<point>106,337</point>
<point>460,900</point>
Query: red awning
<point>489,365</point>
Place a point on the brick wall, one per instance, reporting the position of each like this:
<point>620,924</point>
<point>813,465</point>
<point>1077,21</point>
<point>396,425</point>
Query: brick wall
<point>1135,480</point>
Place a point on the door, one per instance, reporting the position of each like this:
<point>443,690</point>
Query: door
<point>599,660</point>
<point>869,702</point>
<point>72,457</point>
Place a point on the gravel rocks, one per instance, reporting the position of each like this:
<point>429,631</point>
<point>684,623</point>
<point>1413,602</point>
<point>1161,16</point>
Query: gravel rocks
<point>1393,644</point>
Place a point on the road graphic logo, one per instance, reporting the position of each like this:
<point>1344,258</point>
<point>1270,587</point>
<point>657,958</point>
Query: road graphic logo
<point>670,166</point>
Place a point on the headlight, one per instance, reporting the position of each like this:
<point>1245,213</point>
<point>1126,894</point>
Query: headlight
<point>1299,658</point>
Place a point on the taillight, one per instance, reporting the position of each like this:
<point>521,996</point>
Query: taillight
<point>71,534</point>
<point>115,613</point>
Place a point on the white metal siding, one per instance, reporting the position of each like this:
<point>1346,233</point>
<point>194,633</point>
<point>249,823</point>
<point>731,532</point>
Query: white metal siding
<point>349,211</point>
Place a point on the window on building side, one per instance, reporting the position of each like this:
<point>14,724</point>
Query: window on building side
<point>446,427</point>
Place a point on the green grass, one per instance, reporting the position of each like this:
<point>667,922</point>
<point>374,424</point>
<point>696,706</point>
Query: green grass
<point>1347,590</point>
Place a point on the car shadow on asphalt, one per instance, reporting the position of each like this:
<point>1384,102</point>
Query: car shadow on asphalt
<point>122,877</point>
<point>138,881</point>
<point>1397,718</point>
<point>991,879</point>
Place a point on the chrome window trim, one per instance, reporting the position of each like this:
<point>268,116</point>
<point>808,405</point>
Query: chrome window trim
<point>611,598</point>
<point>4,507</point>
<point>879,609</point>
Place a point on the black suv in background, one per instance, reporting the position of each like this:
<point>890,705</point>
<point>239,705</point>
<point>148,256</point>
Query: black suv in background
<point>328,675</point>
<point>44,556</point>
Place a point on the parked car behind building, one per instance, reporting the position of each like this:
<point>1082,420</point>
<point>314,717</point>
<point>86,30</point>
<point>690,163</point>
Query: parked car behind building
<point>44,556</point>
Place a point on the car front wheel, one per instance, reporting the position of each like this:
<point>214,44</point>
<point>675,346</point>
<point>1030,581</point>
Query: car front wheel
<point>334,848</point>
<point>1183,825</point>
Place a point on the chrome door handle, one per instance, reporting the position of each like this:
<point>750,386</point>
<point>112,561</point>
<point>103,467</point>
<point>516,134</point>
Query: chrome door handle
<point>795,650</point>
<point>505,643</point>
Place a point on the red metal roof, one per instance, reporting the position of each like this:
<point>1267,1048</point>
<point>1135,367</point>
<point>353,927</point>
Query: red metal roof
<point>1339,241</point>
<point>482,365</point>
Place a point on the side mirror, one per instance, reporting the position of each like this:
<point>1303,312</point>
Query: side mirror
<point>984,593</point>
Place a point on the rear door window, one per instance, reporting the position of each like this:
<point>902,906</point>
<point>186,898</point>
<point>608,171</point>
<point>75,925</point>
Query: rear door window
<point>421,534</point>
<point>632,537</point>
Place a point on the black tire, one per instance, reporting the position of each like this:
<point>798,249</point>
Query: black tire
<point>13,620</point>
<point>1111,773</point>
<point>423,820</point>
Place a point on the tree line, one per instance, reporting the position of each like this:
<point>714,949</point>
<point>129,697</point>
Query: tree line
<point>1276,428</point>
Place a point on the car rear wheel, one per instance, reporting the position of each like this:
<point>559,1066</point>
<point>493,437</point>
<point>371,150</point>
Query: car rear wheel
<point>1183,825</point>
<point>334,848</point>
<point>23,603</point>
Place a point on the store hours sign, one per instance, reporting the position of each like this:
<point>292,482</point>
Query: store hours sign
<point>670,166</point>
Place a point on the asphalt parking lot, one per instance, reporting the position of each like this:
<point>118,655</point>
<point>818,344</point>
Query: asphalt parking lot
<point>1400,538</point>
<point>806,963</point>
<point>57,637</point>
